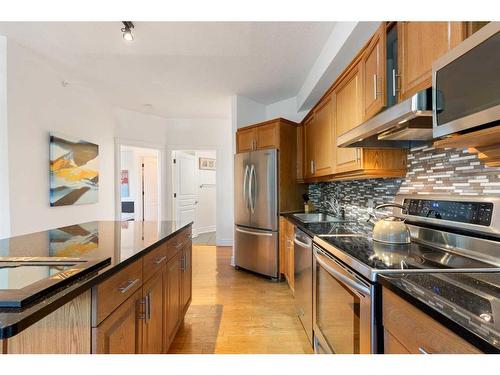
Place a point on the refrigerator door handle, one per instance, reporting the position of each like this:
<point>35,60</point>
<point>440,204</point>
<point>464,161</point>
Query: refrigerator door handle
<point>245,178</point>
<point>250,188</point>
<point>254,233</point>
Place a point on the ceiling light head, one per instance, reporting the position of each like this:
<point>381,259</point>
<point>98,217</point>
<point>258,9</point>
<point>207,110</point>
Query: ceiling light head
<point>127,30</point>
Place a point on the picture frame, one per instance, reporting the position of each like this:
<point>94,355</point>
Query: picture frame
<point>207,164</point>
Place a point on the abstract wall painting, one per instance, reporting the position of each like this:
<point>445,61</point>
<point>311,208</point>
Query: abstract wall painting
<point>74,171</point>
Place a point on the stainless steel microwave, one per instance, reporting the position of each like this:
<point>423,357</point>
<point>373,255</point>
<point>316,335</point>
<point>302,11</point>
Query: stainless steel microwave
<point>466,83</point>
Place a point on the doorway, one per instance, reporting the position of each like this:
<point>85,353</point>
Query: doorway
<point>139,184</point>
<point>194,187</point>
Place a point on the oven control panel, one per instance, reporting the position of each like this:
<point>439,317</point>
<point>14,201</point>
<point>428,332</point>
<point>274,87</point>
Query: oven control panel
<point>478,213</point>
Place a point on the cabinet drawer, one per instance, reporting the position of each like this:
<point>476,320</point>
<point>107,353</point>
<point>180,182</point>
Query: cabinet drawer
<point>176,243</point>
<point>112,292</point>
<point>416,331</point>
<point>154,261</point>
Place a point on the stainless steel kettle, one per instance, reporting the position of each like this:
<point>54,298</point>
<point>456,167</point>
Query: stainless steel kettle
<point>390,229</point>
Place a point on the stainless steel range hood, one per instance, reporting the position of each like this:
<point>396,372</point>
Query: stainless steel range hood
<point>403,125</point>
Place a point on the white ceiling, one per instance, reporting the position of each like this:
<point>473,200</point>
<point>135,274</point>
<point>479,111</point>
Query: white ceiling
<point>184,69</point>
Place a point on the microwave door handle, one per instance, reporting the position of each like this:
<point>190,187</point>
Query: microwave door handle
<point>354,285</point>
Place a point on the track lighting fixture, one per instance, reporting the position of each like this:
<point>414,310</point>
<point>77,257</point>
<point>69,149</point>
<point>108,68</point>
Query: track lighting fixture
<point>127,30</point>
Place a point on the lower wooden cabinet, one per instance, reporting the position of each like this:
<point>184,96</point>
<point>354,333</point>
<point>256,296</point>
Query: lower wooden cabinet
<point>287,234</point>
<point>154,304</point>
<point>121,331</point>
<point>173,281</point>
<point>409,330</point>
<point>148,320</point>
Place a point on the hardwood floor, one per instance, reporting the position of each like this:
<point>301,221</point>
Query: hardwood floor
<point>237,312</point>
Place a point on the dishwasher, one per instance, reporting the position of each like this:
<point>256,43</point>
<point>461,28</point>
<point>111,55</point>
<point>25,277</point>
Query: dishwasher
<point>303,273</point>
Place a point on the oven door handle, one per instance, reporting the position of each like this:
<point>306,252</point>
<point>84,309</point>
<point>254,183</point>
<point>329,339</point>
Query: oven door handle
<point>353,284</point>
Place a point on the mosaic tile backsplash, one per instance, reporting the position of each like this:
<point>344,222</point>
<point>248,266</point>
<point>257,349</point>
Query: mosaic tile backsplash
<point>430,171</point>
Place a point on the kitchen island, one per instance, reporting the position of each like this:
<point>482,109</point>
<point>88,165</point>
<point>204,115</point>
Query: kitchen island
<point>135,303</point>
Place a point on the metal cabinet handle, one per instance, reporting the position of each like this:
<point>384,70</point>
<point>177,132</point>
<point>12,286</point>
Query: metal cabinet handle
<point>394,82</point>
<point>422,350</point>
<point>158,261</point>
<point>349,282</point>
<point>128,286</point>
<point>254,233</point>
<point>148,310</point>
<point>183,264</point>
<point>300,243</point>
<point>375,86</point>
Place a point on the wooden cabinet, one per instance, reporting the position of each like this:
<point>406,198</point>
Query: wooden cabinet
<point>323,139</point>
<point>309,144</point>
<point>373,70</point>
<point>260,137</point>
<point>409,330</point>
<point>121,331</point>
<point>153,300</point>
<point>419,45</point>
<point>348,109</point>
<point>287,234</point>
<point>186,285</point>
<point>245,140</point>
<point>173,281</point>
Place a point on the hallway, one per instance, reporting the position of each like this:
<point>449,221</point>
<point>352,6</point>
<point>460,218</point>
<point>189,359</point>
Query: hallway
<point>237,312</point>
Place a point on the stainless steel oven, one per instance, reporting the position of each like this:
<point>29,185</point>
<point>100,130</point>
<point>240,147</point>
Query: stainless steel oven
<point>343,305</point>
<point>466,83</point>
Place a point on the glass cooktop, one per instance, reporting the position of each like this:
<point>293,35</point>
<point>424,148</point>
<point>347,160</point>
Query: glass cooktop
<point>380,256</point>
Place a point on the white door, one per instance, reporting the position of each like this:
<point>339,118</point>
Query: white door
<point>185,178</point>
<point>150,188</point>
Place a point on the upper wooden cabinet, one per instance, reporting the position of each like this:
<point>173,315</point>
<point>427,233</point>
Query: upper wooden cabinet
<point>419,45</point>
<point>373,69</point>
<point>264,136</point>
<point>323,138</point>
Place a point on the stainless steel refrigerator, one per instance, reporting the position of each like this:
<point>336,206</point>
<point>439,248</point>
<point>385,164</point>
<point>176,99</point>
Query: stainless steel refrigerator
<point>256,212</point>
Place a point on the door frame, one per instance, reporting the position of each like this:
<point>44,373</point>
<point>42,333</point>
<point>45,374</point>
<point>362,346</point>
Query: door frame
<point>169,171</point>
<point>161,172</point>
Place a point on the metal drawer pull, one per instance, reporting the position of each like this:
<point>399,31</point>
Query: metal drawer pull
<point>254,233</point>
<point>353,284</point>
<point>158,261</point>
<point>301,244</point>
<point>148,306</point>
<point>130,284</point>
<point>422,350</point>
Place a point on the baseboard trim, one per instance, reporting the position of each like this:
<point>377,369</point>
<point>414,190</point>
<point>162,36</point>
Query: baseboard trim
<point>207,229</point>
<point>224,242</point>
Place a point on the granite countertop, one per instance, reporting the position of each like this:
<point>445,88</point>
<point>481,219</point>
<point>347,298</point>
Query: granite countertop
<point>122,242</point>
<point>466,303</point>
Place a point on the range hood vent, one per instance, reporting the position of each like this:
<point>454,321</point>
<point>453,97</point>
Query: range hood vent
<point>403,125</point>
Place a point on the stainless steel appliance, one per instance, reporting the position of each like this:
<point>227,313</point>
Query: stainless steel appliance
<point>448,235</point>
<point>467,84</point>
<point>303,296</point>
<point>403,125</point>
<point>256,212</point>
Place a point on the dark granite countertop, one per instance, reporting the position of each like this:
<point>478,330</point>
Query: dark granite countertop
<point>466,303</point>
<point>123,242</point>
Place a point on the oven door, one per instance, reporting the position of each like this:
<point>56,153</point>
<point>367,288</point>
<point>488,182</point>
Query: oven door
<point>341,308</point>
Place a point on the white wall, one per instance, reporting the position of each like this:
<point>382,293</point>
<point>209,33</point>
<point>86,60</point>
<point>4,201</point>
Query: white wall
<point>4,146</point>
<point>38,104</point>
<point>287,109</point>
<point>206,215</point>
<point>245,111</point>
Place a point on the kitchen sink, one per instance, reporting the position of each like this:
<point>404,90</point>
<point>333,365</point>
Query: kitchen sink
<point>318,217</point>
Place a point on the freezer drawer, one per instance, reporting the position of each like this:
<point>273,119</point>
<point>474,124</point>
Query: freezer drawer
<point>256,250</point>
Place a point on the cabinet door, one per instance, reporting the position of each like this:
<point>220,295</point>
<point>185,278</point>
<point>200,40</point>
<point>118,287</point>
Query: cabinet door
<point>309,143</point>
<point>121,331</point>
<point>172,297</point>
<point>153,297</point>
<point>186,286</point>
<point>245,140</point>
<point>267,136</point>
<point>348,104</point>
<point>420,44</point>
<point>290,234</point>
<point>374,76</point>
<point>323,139</point>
